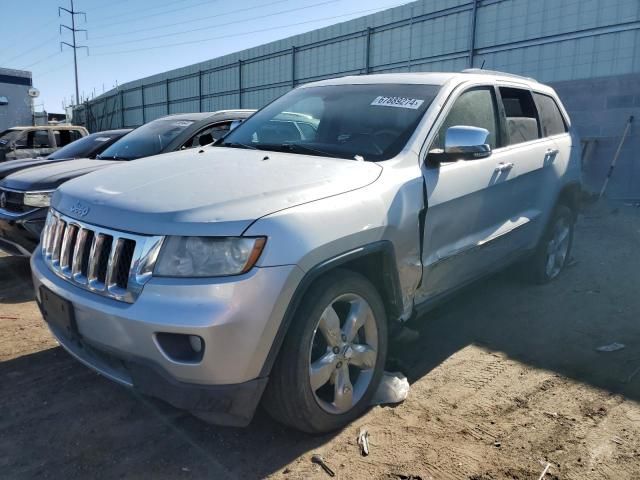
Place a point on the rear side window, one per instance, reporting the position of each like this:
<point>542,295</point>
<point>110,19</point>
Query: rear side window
<point>474,108</point>
<point>551,119</point>
<point>521,115</point>
<point>38,139</point>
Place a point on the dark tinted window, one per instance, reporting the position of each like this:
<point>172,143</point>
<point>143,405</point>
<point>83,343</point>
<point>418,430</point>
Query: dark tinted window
<point>86,147</point>
<point>216,131</point>
<point>474,108</point>
<point>551,119</point>
<point>521,115</point>
<point>149,139</point>
<point>373,121</point>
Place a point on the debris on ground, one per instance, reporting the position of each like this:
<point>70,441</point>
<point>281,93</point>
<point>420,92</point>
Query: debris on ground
<point>363,441</point>
<point>393,388</point>
<point>612,347</point>
<point>544,472</point>
<point>318,460</point>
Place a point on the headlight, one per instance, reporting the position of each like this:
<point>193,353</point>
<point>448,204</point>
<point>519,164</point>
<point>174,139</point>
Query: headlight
<point>207,256</point>
<point>37,199</point>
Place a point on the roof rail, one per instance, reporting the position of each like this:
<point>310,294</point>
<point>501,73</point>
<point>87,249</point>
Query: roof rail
<point>479,71</point>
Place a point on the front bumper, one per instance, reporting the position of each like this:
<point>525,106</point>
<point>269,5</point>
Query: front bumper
<point>20,232</point>
<point>237,318</point>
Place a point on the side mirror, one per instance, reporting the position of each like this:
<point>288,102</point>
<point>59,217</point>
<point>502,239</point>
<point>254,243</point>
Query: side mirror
<point>466,143</point>
<point>205,139</point>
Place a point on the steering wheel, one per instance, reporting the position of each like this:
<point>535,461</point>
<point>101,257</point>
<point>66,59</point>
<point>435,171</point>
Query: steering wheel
<point>373,138</point>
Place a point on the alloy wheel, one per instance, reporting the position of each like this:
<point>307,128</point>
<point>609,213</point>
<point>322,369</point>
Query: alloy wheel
<point>343,353</point>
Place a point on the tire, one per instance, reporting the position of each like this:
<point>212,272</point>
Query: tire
<point>346,394</point>
<point>541,267</point>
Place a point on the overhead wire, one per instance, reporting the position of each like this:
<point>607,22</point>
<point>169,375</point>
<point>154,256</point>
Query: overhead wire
<point>209,27</point>
<point>251,32</point>
<point>199,19</point>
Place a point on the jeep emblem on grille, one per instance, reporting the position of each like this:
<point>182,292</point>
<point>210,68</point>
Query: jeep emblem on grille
<point>3,200</point>
<point>79,209</point>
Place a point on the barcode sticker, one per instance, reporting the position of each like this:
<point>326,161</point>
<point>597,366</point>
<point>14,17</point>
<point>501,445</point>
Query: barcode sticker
<point>398,102</point>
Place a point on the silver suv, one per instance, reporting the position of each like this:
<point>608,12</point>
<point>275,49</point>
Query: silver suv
<point>273,265</point>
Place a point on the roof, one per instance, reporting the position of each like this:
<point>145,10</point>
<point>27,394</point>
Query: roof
<point>422,78</point>
<point>116,131</point>
<point>198,116</point>
<point>48,127</point>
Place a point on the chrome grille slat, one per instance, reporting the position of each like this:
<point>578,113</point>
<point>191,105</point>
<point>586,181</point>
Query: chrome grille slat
<point>78,250</point>
<point>68,240</point>
<point>114,258</point>
<point>107,262</point>
<point>94,259</point>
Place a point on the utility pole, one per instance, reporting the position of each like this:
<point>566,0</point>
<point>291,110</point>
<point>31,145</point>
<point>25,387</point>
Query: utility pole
<point>75,47</point>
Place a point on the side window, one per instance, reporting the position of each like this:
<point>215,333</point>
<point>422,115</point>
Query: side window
<point>38,139</point>
<point>474,108</point>
<point>216,131</point>
<point>63,137</point>
<point>21,141</point>
<point>521,115</point>
<point>75,135</point>
<point>551,119</point>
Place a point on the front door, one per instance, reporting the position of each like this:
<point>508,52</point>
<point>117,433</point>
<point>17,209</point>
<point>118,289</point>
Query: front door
<point>469,202</point>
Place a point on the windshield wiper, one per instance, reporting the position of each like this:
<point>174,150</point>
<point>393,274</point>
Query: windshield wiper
<point>296,148</point>
<point>235,145</point>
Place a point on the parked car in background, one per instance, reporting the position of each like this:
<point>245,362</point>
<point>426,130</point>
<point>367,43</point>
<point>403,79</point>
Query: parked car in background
<point>30,142</point>
<point>25,195</point>
<point>277,261</point>
<point>87,147</point>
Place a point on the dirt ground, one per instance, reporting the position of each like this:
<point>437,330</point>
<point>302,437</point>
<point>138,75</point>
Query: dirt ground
<point>505,378</point>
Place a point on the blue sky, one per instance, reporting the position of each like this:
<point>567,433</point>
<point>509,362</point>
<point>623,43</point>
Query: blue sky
<point>119,31</point>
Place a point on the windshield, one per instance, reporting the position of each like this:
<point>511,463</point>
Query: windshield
<point>86,147</point>
<point>149,139</point>
<point>9,136</point>
<point>346,121</point>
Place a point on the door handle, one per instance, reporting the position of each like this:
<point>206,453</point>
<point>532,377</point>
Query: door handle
<point>504,167</point>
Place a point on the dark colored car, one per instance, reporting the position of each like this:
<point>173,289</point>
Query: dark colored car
<point>87,147</point>
<point>25,195</point>
<point>29,142</point>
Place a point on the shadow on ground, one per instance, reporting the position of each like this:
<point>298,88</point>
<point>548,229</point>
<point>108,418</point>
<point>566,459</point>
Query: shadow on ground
<point>89,426</point>
<point>15,280</point>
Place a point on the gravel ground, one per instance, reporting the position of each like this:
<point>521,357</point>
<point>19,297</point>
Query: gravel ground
<point>505,378</point>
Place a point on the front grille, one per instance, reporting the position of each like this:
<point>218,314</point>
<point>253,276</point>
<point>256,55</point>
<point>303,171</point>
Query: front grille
<point>108,262</point>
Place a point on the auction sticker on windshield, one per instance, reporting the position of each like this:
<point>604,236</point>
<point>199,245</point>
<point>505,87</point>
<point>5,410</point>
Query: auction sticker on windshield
<point>399,102</point>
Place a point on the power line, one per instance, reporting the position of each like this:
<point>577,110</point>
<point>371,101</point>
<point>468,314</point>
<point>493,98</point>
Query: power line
<point>208,27</point>
<point>106,20</point>
<point>173,24</point>
<point>73,45</point>
<point>222,37</point>
<point>47,42</point>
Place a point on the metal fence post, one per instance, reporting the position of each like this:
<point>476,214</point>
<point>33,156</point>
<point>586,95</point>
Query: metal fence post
<point>142,95</point>
<point>199,90</point>
<point>167,95</point>
<point>293,66</point>
<point>472,39</point>
<point>240,83</point>
<point>122,108</point>
<point>367,58</point>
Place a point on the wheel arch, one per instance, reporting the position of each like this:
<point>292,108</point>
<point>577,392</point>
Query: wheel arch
<point>376,261</point>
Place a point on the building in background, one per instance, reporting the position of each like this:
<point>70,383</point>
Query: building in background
<point>588,49</point>
<point>15,101</point>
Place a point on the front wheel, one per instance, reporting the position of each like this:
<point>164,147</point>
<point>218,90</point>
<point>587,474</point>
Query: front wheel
<point>333,356</point>
<point>554,249</point>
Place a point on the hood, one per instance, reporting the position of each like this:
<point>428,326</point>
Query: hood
<point>51,175</point>
<point>12,166</point>
<point>213,191</point>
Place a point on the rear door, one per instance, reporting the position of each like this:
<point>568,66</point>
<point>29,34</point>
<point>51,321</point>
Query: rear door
<point>531,155</point>
<point>469,202</point>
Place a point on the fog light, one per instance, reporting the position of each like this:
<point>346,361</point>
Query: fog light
<point>196,343</point>
<point>180,347</point>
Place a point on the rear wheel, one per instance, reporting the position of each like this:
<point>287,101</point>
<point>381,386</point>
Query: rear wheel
<point>333,356</point>
<point>554,249</point>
